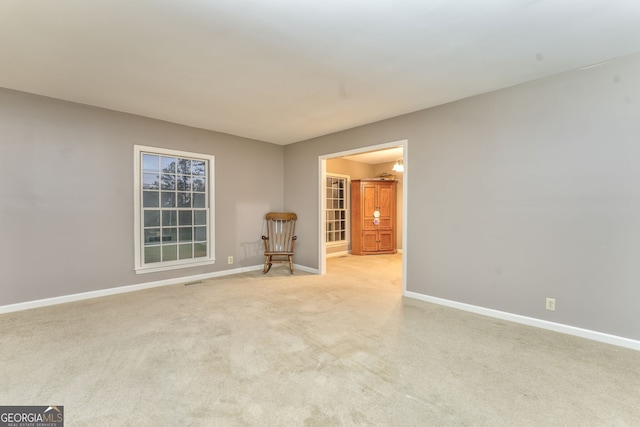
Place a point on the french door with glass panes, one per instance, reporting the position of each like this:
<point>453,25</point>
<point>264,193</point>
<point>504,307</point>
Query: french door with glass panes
<point>337,213</point>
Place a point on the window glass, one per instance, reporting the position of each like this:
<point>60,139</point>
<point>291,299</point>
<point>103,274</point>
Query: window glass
<point>174,221</point>
<point>151,218</point>
<point>336,213</point>
<point>150,163</point>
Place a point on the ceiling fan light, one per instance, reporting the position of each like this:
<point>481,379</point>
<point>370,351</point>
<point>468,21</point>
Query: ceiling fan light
<point>398,166</point>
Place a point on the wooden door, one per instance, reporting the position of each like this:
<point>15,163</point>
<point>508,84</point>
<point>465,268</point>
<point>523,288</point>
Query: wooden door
<point>386,241</point>
<point>369,241</point>
<point>369,236</point>
<point>386,204</point>
<point>369,205</point>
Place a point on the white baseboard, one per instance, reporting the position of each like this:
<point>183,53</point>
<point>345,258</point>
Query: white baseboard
<point>295,267</point>
<point>337,254</point>
<point>343,253</point>
<point>530,321</point>
<point>306,269</point>
<point>128,288</point>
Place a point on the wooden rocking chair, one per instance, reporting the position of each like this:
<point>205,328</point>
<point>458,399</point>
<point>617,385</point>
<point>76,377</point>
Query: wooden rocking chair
<point>279,243</point>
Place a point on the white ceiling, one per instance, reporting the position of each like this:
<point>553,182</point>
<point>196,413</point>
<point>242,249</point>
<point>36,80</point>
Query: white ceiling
<point>287,70</point>
<point>376,157</point>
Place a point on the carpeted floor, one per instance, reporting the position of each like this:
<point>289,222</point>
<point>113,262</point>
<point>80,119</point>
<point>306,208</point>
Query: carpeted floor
<point>306,350</point>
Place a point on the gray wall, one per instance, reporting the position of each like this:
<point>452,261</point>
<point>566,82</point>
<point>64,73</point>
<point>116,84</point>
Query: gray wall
<point>355,170</point>
<point>66,182</point>
<point>514,196</point>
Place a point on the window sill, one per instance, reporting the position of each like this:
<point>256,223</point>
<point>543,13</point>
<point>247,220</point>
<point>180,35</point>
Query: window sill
<point>168,267</point>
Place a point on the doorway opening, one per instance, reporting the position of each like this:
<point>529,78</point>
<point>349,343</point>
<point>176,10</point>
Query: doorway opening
<point>379,158</point>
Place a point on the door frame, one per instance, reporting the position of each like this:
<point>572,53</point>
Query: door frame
<point>322,202</point>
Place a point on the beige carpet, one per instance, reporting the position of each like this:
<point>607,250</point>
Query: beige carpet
<point>305,350</point>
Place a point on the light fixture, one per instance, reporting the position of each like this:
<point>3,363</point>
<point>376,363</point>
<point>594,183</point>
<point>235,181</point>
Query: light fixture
<point>398,166</point>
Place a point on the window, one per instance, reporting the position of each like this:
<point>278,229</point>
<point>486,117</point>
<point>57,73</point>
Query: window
<point>173,209</point>
<point>337,213</point>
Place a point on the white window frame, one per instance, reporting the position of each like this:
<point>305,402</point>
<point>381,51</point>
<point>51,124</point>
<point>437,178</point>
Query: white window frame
<point>347,209</point>
<point>140,266</point>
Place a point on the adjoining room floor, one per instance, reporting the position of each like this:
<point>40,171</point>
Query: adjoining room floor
<point>308,350</point>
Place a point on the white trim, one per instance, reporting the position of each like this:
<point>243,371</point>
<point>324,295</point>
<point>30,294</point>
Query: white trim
<point>133,288</point>
<point>337,254</point>
<point>530,321</point>
<point>295,267</point>
<point>322,204</point>
<point>322,172</point>
<point>339,175</point>
<point>347,209</point>
<point>306,269</point>
<point>140,267</point>
<point>394,144</point>
<point>338,243</point>
<point>405,211</point>
<point>172,265</point>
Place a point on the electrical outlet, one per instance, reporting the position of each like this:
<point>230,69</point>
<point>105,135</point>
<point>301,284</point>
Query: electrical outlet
<point>230,260</point>
<point>551,304</point>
